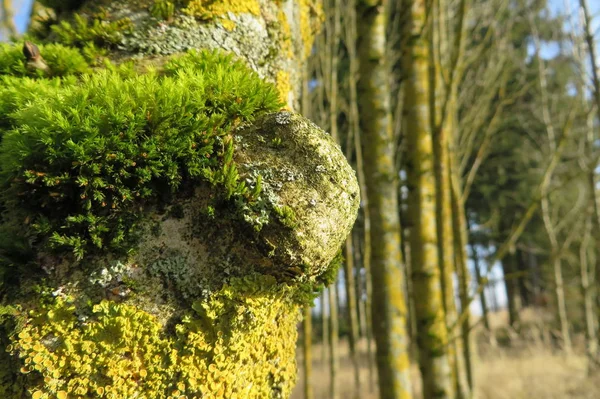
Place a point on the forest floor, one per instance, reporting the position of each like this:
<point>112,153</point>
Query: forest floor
<point>529,368</point>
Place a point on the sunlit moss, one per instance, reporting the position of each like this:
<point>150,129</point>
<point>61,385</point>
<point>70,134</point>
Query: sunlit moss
<point>122,141</point>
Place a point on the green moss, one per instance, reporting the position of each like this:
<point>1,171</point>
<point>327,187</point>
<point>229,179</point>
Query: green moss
<point>247,329</point>
<point>286,216</point>
<point>82,159</point>
<point>97,30</point>
<point>162,9</point>
<point>61,60</point>
<point>331,273</point>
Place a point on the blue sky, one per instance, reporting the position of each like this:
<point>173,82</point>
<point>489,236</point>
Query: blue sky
<point>22,9</point>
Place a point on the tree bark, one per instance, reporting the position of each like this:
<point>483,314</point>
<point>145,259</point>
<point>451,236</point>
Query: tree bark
<point>334,361</point>
<point>588,291</point>
<point>432,335</point>
<point>352,314</point>
<point>508,268</point>
<point>227,285</point>
<point>8,23</point>
<point>307,351</point>
<point>389,307</point>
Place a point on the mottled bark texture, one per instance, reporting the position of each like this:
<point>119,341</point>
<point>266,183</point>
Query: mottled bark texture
<point>432,338</point>
<point>388,302</point>
<point>206,303</point>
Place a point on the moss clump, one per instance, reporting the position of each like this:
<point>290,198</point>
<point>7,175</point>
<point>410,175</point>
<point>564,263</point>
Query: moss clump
<point>239,343</point>
<point>162,9</point>
<point>61,61</point>
<point>80,160</point>
<point>97,30</point>
<point>286,216</point>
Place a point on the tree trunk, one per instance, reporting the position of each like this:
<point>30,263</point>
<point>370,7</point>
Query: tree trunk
<point>588,291</point>
<point>334,361</point>
<point>307,327</point>
<point>508,268</point>
<point>325,326</point>
<point>555,259</point>
<point>432,335</point>
<point>350,35</point>
<point>459,226</point>
<point>7,22</point>
<point>352,314</point>
<point>170,295</point>
<point>445,234</point>
<point>389,307</point>
<point>522,267</point>
<point>483,300</point>
<point>562,305</point>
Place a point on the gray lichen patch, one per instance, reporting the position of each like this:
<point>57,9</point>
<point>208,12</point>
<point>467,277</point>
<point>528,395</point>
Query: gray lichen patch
<point>306,173</point>
<point>259,40</point>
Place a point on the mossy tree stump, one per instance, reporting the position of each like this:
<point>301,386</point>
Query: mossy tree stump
<point>163,217</point>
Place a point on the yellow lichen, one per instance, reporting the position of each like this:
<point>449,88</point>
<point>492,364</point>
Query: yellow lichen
<point>238,343</point>
<point>214,9</point>
<point>311,18</point>
<point>228,24</point>
<point>219,10</point>
<point>286,32</point>
<point>283,85</point>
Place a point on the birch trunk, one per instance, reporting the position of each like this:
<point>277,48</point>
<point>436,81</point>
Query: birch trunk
<point>389,307</point>
<point>432,335</point>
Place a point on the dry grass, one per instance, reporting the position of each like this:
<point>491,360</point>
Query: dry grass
<point>535,373</point>
<point>529,369</point>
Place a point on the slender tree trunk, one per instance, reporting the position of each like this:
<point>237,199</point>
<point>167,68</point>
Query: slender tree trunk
<point>445,234</point>
<point>351,35</point>
<point>555,258</point>
<point>334,365</point>
<point>389,306</point>
<point>352,314</point>
<point>508,268</point>
<point>596,221</point>
<point>562,304</point>
<point>522,282</point>
<point>593,62</point>
<point>307,327</point>
<point>7,22</point>
<point>591,43</point>
<point>358,253</point>
<point>410,298</point>
<point>588,291</point>
<point>325,326</point>
<point>459,225</point>
<point>482,298</point>
<point>432,335</point>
